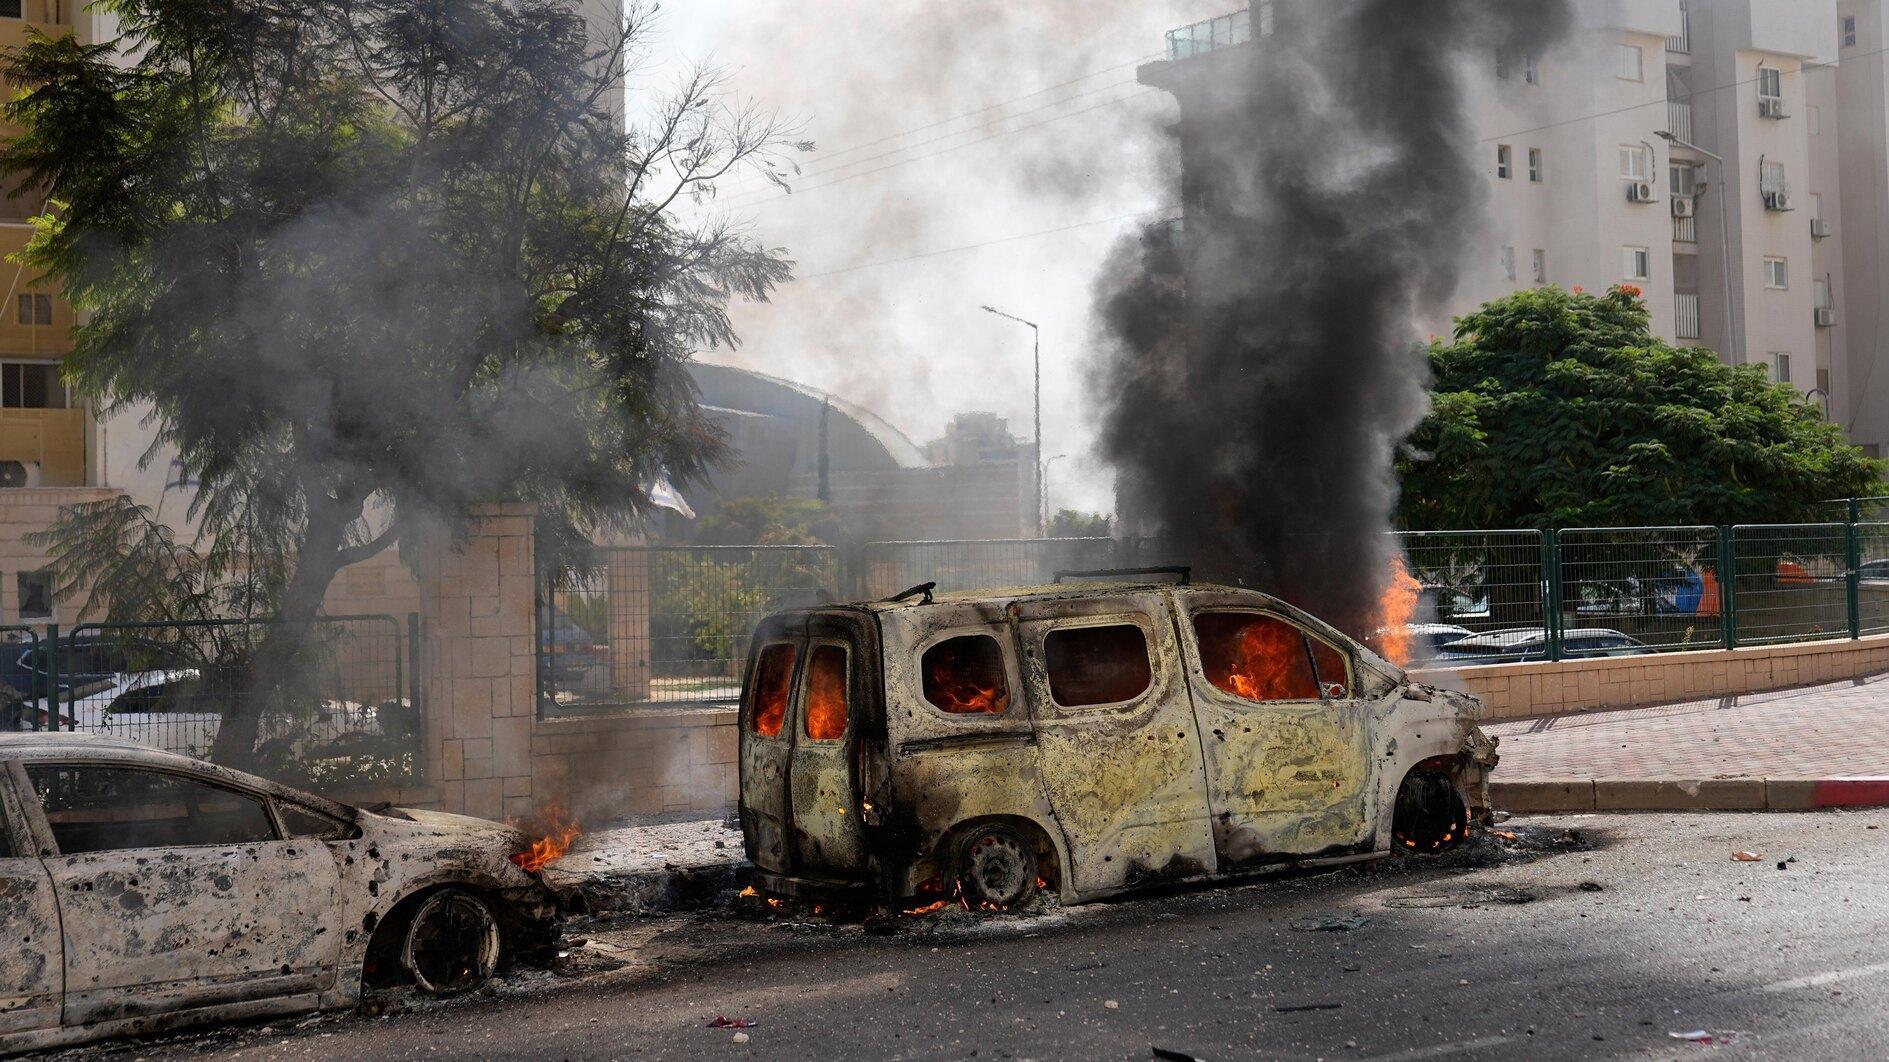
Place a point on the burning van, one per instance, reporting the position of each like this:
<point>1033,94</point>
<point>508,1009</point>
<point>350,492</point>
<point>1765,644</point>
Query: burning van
<point>1084,739</point>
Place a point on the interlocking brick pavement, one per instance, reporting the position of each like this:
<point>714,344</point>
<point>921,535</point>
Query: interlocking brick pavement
<point>1838,730</point>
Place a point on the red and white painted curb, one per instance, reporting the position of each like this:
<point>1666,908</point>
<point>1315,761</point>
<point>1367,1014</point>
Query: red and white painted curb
<point>1703,794</point>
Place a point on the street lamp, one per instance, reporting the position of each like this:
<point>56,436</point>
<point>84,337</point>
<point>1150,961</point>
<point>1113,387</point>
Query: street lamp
<point>1036,357</point>
<point>1724,236</point>
<point>1046,463</point>
<point>1824,402</point>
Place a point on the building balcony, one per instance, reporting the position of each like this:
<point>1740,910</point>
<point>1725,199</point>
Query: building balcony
<point>1679,119</point>
<point>42,448</point>
<point>1686,315</point>
<point>50,17</point>
<point>1686,230</point>
<point>1210,35</point>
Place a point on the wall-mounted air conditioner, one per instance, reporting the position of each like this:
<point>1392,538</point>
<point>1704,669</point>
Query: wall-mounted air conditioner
<point>1682,207</point>
<point>1771,107</point>
<point>17,474</point>
<point>1826,316</point>
<point>1639,192</point>
<point>1777,201</point>
<point>1819,228</point>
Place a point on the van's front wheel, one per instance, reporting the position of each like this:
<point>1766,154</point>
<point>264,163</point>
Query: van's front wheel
<point>996,868</point>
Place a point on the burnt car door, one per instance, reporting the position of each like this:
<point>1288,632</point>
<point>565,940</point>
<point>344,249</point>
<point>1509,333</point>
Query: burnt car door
<point>1117,747</point>
<point>175,893</point>
<point>31,973</point>
<point>835,697</point>
<point>1287,740</point>
<point>767,740</point>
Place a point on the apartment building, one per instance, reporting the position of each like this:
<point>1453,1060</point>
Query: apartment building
<point>1728,157</point>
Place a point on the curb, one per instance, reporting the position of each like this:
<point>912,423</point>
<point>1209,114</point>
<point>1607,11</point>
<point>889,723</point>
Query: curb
<point>1704,794</point>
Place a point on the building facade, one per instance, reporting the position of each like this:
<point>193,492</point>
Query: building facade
<point>1730,158</point>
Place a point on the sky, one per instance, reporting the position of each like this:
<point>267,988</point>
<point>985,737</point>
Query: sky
<point>968,152</point>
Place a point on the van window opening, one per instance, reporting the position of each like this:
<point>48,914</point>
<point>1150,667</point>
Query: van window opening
<point>773,678</point>
<point>1097,665</point>
<point>965,676</point>
<point>1264,658</point>
<point>826,694</point>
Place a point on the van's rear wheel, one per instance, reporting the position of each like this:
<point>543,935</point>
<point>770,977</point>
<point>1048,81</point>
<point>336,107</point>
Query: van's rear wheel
<point>996,868</point>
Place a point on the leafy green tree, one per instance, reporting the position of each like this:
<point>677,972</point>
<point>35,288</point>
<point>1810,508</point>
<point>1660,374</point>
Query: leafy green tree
<point>1558,409</point>
<point>1068,523</point>
<point>372,262</point>
<point>768,520</point>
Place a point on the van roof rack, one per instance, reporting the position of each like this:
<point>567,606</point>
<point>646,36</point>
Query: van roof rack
<point>1183,574</point>
<point>921,588</point>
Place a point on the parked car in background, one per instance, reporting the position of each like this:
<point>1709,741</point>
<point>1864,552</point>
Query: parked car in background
<point>1426,640</point>
<point>143,891</point>
<point>85,657</point>
<point>569,652</point>
<point>1873,571</point>
<point>1531,643</point>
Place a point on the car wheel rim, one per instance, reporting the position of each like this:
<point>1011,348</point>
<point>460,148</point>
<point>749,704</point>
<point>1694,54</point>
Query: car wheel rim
<point>452,943</point>
<point>999,871</point>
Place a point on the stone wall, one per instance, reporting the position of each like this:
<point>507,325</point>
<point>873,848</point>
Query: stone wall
<point>1514,691</point>
<point>488,752</point>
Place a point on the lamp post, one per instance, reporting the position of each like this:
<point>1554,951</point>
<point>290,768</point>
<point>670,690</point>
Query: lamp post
<point>1724,237</point>
<point>1036,357</point>
<point>1046,463</point>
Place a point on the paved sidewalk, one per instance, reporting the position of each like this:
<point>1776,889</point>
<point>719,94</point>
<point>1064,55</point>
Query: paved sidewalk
<point>1818,746</point>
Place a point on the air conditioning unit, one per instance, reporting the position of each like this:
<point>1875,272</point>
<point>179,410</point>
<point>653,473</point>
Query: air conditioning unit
<point>1682,207</point>
<point>1777,201</point>
<point>1771,107</point>
<point>1826,316</point>
<point>19,474</point>
<point>1819,228</point>
<point>1639,192</point>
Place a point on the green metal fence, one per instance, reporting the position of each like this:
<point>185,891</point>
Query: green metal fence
<point>1658,586</point>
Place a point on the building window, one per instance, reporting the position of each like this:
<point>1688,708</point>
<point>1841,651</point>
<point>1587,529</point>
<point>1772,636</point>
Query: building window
<point>1629,64</point>
<point>1821,300</point>
<point>1684,179</point>
<point>1541,266</point>
<point>1777,274</point>
<point>1814,116</point>
<point>1508,263</point>
<point>12,8</point>
<point>1531,72</point>
<point>35,309</point>
<point>1816,208</point>
<point>35,594</point>
<point>1771,182</point>
<point>32,385</point>
<point>1635,163</point>
<point>1504,161</point>
<point>1636,263</point>
<point>1849,31</point>
<point>1781,363</point>
<point>1534,165</point>
<point>1770,83</point>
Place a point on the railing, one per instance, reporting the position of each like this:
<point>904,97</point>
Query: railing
<point>345,713</point>
<point>1210,34</point>
<point>1679,119</point>
<point>1682,43</point>
<point>1686,314</point>
<point>1685,230</point>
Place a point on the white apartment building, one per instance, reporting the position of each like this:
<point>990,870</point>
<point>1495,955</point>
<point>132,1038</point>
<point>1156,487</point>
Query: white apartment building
<point>1759,228</point>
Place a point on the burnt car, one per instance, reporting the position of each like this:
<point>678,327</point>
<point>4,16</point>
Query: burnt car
<point>1084,739</point>
<point>146,890</point>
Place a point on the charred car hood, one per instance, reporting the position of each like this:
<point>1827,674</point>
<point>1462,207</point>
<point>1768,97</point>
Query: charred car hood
<point>466,827</point>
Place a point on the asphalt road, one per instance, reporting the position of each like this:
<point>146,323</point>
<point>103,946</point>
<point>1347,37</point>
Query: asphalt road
<point>1495,953</point>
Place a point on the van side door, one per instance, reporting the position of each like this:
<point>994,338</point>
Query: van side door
<point>32,970</point>
<point>766,744</point>
<point>1117,745</point>
<point>837,694</point>
<point>1287,739</point>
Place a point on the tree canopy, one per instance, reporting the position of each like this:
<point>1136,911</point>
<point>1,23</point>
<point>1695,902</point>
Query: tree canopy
<point>1561,409</point>
<point>372,262</point>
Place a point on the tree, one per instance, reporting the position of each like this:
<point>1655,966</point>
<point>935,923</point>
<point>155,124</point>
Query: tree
<point>1555,409</point>
<point>768,520</point>
<point>1068,523</point>
<point>373,262</point>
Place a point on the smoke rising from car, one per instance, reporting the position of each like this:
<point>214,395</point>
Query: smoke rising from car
<point>1258,369</point>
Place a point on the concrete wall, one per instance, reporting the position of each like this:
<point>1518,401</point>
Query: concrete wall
<point>1515,691</point>
<point>487,751</point>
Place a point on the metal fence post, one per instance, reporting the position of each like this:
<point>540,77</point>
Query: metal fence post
<point>1852,564</point>
<point>52,678</point>
<point>1728,585</point>
<point>1551,591</point>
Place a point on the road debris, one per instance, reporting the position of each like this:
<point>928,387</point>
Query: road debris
<point>1704,1036</point>
<point>1112,1005</point>
<point>1174,1056</point>
<point>1746,857</point>
<point>741,1038</point>
<point>1295,1008</point>
<point>722,1021</point>
<point>1333,924</point>
<point>1592,886</point>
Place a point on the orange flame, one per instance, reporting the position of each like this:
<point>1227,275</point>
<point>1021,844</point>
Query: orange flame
<point>949,687</point>
<point>553,831</point>
<point>1264,658</point>
<point>1396,606</point>
<point>826,694</point>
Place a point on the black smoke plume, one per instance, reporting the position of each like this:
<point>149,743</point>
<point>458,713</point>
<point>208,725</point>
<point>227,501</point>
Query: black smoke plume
<point>1259,367</point>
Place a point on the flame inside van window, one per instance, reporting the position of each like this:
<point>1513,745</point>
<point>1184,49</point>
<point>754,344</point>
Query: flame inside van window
<point>826,694</point>
<point>1264,658</point>
<point>773,676</point>
<point>965,676</point>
